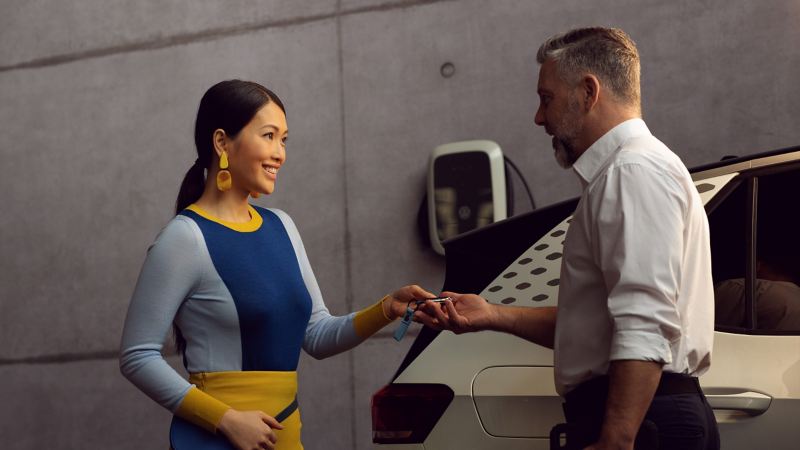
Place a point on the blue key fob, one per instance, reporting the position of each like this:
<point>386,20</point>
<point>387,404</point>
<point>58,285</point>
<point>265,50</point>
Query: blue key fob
<point>403,327</point>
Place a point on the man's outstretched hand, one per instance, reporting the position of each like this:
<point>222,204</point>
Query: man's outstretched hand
<point>464,314</point>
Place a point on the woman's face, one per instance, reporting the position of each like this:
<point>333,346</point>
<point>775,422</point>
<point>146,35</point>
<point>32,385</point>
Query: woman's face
<point>259,151</point>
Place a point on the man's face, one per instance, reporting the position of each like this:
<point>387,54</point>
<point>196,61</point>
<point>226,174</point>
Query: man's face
<point>559,113</point>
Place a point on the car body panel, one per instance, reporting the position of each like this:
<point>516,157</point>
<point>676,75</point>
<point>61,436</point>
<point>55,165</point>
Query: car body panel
<point>459,428</point>
<point>711,186</point>
<point>514,401</point>
<point>456,360</point>
<point>772,371</point>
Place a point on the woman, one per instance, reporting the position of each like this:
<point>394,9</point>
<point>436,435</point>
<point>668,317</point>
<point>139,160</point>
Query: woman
<point>235,282</point>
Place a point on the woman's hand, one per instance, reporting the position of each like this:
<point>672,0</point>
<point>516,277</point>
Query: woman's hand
<point>249,430</point>
<point>395,306</point>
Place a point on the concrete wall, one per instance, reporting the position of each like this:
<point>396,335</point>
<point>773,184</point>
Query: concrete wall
<point>98,103</point>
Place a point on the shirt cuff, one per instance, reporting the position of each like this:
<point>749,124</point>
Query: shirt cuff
<point>640,346</point>
<point>201,409</point>
<point>371,319</point>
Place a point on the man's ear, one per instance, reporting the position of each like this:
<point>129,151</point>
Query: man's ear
<point>220,141</point>
<point>590,90</point>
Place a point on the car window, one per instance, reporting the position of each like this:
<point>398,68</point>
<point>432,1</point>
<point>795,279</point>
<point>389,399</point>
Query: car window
<point>777,272</point>
<point>728,223</point>
<point>755,248</point>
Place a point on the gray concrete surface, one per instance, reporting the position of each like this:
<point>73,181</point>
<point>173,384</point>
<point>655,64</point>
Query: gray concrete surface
<point>43,31</point>
<point>77,405</point>
<point>98,104</point>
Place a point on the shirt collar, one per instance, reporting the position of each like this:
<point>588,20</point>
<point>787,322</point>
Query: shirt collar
<point>595,157</point>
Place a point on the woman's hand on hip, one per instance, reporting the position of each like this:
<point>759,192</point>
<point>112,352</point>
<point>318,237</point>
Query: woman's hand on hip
<point>249,430</point>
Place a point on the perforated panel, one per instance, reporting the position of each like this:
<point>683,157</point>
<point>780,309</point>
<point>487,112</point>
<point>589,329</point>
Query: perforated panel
<point>532,280</point>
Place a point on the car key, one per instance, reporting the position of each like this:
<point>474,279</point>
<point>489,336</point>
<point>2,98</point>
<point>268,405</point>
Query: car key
<point>403,327</point>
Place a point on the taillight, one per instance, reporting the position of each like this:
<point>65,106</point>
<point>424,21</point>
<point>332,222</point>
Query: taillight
<point>406,413</point>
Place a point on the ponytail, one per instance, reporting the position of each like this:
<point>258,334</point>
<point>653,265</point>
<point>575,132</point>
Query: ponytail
<point>192,187</point>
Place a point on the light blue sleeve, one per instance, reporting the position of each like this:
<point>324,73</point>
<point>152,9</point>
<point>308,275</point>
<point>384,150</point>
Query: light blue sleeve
<point>326,335</point>
<point>170,272</point>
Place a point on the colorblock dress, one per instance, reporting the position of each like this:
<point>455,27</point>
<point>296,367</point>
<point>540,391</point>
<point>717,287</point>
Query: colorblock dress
<point>246,301</point>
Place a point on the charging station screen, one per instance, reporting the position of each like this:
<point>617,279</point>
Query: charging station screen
<point>462,193</point>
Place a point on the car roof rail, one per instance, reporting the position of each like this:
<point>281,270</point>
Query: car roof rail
<point>732,159</point>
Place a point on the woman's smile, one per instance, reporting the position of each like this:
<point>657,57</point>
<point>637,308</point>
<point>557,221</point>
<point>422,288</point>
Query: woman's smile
<point>270,171</point>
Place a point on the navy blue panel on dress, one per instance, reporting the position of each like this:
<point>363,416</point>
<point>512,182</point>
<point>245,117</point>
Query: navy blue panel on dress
<point>261,272</point>
<point>184,435</point>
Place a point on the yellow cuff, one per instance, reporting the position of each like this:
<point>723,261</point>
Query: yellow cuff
<point>201,409</point>
<point>371,319</point>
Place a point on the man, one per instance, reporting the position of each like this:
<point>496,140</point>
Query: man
<point>634,323</point>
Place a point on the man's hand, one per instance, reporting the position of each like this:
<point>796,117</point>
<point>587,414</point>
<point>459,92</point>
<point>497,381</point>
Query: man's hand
<point>469,312</point>
<point>465,313</point>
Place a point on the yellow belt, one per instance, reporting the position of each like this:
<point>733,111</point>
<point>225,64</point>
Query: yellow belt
<point>270,392</point>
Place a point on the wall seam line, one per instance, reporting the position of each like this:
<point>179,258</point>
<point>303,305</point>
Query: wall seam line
<point>205,35</point>
<point>60,358</point>
<point>348,279</point>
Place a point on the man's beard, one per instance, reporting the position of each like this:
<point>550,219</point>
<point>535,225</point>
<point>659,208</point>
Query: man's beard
<point>565,155</point>
<point>565,134</point>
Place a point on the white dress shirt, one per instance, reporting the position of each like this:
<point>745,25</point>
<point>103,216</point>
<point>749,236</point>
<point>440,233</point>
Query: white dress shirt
<point>636,272</point>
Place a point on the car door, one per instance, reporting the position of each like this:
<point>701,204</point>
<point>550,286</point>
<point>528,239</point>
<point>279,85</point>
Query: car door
<point>753,384</point>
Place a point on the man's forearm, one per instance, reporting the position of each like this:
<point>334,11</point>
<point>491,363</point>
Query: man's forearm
<point>537,325</point>
<point>632,385</point>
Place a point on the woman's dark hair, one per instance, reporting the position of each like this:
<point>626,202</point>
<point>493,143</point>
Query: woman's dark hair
<point>228,105</point>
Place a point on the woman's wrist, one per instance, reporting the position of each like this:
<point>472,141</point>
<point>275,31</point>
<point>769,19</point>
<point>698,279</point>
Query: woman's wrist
<point>225,421</point>
<point>386,307</point>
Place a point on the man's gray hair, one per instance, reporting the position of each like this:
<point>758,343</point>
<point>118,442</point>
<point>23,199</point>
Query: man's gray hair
<point>607,53</point>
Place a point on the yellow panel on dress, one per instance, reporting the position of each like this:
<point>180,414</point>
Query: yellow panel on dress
<point>269,392</point>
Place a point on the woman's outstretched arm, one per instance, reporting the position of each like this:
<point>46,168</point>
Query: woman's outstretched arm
<point>326,334</point>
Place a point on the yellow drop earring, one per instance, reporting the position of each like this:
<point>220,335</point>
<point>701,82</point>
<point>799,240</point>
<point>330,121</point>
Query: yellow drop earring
<point>223,176</point>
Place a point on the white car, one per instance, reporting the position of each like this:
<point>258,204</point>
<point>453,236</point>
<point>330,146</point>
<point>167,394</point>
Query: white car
<point>492,390</point>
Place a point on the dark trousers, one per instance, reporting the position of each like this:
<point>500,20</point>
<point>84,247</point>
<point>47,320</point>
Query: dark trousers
<point>678,418</point>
